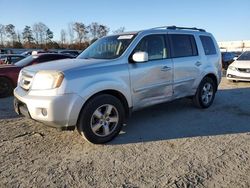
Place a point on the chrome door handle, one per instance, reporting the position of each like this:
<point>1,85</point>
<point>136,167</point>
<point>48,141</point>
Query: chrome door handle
<point>198,63</point>
<point>165,68</point>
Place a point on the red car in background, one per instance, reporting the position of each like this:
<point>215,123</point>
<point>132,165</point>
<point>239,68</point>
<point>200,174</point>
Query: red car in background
<point>9,73</point>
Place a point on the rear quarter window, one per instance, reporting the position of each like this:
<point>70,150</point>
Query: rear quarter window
<point>208,45</point>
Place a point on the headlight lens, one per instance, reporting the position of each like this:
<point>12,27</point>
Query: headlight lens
<point>47,80</point>
<point>232,68</point>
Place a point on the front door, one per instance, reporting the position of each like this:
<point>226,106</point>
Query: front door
<point>151,81</point>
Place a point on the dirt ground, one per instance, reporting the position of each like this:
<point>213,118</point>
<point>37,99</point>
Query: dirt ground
<point>168,145</point>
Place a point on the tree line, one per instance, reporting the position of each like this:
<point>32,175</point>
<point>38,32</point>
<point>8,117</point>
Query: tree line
<point>77,36</point>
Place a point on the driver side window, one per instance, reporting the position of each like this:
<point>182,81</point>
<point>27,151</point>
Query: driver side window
<point>154,45</point>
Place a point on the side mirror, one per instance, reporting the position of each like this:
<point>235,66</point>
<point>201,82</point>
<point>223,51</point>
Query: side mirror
<point>235,58</point>
<point>139,57</point>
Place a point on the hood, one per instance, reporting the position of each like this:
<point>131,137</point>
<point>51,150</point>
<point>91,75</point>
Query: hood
<point>66,64</point>
<point>8,67</point>
<point>241,64</point>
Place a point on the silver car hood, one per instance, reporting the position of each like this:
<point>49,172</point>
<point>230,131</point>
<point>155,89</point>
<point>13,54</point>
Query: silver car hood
<point>241,64</point>
<point>65,65</point>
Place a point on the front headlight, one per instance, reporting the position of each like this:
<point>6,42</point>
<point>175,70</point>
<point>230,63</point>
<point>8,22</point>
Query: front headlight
<point>47,80</point>
<point>232,68</point>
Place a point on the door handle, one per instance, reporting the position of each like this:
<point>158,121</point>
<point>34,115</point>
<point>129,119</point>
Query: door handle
<point>165,68</point>
<point>198,63</point>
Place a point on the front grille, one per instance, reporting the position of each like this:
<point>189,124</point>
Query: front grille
<point>25,80</point>
<point>244,70</point>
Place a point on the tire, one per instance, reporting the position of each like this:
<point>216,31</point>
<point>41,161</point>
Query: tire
<point>101,119</point>
<point>205,93</point>
<point>6,87</point>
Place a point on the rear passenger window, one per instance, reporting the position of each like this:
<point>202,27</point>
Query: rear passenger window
<point>208,45</point>
<point>183,45</point>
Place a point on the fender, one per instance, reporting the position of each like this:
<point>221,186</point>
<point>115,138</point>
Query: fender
<point>99,86</point>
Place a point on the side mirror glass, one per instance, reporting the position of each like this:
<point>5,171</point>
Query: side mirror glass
<point>139,57</point>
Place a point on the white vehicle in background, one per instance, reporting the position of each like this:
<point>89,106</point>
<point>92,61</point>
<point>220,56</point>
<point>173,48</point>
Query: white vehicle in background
<point>239,70</point>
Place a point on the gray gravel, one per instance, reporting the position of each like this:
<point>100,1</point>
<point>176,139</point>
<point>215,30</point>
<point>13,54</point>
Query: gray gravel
<point>168,145</point>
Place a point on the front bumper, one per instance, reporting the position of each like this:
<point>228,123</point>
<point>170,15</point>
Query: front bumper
<point>60,111</point>
<point>236,75</point>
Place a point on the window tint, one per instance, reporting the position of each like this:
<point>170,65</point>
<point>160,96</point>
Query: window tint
<point>208,45</point>
<point>154,45</point>
<point>49,57</point>
<point>183,45</point>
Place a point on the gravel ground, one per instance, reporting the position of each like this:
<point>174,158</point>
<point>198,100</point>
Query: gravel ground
<point>168,145</point>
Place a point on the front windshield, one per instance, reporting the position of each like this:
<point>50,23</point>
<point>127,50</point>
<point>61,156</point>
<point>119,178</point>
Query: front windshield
<point>110,47</point>
<point>25,61</point>
<point>244,56</point>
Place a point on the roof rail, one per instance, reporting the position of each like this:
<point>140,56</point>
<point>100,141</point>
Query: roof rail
<point>180,28</point>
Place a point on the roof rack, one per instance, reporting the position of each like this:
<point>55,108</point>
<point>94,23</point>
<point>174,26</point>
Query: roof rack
<point>180,28</point>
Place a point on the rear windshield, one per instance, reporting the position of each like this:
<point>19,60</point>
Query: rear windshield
<point>244,56</point>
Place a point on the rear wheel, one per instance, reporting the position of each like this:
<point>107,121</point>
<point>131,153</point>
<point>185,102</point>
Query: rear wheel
<point>6,87</point>
<point>205,93</point>
<point>101,119</point>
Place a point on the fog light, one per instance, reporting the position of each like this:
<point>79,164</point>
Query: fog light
<point>44,112</point>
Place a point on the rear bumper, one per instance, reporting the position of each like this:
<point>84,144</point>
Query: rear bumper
<point>60,111</point>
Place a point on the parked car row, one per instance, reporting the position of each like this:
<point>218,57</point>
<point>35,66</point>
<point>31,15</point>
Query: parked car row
<point>9,73</point>
<point>10,59</point>
<point>227,59</point>
<point>73,53</point>
<point>118,74</point>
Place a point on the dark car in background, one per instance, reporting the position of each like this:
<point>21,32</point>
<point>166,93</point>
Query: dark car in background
<point>227,59</point>
<point>73,53</point>
<point>9,73</point>
<point>10,58</point>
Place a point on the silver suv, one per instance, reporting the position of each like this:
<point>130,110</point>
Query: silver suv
<point>119,74</point>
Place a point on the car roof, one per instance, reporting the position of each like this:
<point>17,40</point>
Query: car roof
<point>163,29</point>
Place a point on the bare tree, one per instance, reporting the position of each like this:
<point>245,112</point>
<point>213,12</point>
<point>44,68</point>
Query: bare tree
<point>102,31</point>
<point>10,31</point>
<point>98,30</point>
<point>119,30</point>
<point>27,34</point>
<point>2,34</point>
<point>39,30</point>
<point>71,33</point>
<point>49,35</point>
<point>81,31</point>
<point>63,36</point>
<point>93,28</point>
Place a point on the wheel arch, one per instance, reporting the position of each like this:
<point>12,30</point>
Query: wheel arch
<point>6,77</point>
<point>214,78</point>
<point>121,97</point>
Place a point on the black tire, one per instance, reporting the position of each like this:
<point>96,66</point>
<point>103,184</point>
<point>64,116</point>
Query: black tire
<point>6,87</point>
<point>87,116</point>
<point>198,98</point>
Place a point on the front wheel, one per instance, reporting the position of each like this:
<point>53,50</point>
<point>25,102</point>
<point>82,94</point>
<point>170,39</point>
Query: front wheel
<point>101,119</point>
<point>205,93</point>
<point>6,87</point>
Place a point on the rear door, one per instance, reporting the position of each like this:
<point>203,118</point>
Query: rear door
<point>186,63</point>
<point>151,81</point>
